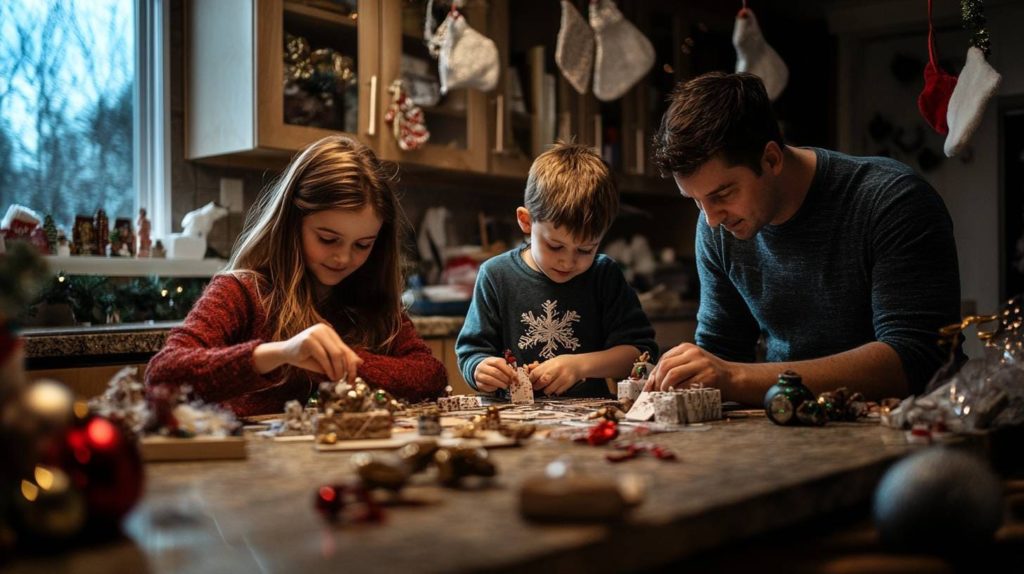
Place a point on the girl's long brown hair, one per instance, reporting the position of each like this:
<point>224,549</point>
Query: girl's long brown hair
<point>336,172</point>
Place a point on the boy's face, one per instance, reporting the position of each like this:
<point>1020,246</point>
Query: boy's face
<point>336,242</point>
<point>554,251</point>
<point>734,196</point>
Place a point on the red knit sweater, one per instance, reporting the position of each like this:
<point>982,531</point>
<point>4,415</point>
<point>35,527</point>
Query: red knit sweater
<point>212,351</point>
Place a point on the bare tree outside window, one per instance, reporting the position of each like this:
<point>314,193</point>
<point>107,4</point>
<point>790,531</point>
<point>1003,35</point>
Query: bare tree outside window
<point>66,107</point>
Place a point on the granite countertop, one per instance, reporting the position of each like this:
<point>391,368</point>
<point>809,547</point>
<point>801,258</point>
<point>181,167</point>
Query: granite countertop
<point>138,339</point>
<point>148,338</point>
<point>734,479</point>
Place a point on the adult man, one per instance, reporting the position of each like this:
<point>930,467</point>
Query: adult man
<point>846,266</point>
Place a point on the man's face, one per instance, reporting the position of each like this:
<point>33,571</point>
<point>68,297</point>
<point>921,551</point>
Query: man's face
<point>733,196</point>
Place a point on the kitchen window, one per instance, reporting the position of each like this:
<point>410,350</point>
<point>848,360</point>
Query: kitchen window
<point>83,109</point>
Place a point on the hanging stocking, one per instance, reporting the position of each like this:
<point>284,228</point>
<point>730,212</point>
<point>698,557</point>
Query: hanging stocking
<point>938,86</point>
<point>754,55</point>
<point>977,84</point>
<point>406,119</point>
<point>624,54</point>
<point>466,58</point>
<point>574,52</point>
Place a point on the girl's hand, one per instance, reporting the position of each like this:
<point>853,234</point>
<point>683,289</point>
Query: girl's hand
<point>493,373</point>
<point>557,375</point>
<point>320,349</point>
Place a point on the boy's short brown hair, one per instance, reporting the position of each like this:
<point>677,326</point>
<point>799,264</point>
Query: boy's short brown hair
<point>570,186</point>
<point>716,113</point>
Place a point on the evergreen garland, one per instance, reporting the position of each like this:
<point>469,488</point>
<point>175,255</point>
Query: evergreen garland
<point>96,299</point>
<point>973,14</point>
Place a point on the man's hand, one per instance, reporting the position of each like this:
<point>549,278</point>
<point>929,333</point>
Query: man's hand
<point>688,364</point>
<point>557,375</point>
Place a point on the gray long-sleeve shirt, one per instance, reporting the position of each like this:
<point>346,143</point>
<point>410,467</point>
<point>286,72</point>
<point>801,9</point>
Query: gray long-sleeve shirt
<point>869,256</point>
<point>517,308</point>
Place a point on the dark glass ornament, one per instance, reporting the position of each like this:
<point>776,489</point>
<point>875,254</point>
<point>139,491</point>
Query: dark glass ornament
<point>784,397</point>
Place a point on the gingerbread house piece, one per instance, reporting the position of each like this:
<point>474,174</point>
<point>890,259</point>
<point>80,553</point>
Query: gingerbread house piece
<point>458,403</point>
<point>521,391</point>
<point>628,391</point>
<point>702,404</point>
<point>351,426</point>
<point>669,408</point>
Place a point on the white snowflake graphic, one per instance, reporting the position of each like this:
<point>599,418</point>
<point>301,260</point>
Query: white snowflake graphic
<point>550,330</point>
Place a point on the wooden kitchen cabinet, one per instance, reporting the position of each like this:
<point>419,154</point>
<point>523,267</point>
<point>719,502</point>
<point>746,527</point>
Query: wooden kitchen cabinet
<point>235,112</point>
<point>457,121</point>
<point>236,98</point>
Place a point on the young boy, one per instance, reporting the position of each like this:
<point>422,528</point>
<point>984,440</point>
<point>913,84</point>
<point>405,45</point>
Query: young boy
<point>555,301</point>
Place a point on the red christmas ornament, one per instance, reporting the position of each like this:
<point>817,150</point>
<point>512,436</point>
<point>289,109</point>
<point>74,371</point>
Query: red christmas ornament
<point>602,433</point>
<point>332,500</point>
<point>104,464</point>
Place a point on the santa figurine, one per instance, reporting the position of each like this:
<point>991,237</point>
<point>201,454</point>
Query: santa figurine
<point>142,225</point>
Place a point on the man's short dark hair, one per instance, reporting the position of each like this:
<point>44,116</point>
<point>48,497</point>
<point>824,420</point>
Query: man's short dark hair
<point>716,113</point>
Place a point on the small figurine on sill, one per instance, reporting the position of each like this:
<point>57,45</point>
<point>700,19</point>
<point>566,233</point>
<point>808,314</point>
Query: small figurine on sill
<point>143,226</point>
<point>158,250</point>
<point>114,247</point>
<point>123,225</point>
<point>50,228</point>
<point>102,226</point>
<point>63,246</point>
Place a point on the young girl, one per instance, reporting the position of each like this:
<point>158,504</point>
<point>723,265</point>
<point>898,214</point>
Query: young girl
<point>312,293</point>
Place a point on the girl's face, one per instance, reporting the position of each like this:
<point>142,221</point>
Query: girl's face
<point>336,242</point>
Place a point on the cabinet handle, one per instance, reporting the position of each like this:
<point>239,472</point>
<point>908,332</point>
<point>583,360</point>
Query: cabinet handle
<point>598,144</point>
<point>499,122</point>
<point>641,166</point>
<point>371,129</point>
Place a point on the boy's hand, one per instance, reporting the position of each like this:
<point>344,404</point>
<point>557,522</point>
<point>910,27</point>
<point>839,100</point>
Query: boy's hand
<point>493,373</point>
<point>557,375</point>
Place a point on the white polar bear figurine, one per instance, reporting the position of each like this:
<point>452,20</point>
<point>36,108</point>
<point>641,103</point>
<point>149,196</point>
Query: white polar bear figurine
<point>196,225</point>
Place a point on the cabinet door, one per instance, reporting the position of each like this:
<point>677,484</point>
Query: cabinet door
<point>247,105</point>
<point>534,105</point>
<point>457,120</point>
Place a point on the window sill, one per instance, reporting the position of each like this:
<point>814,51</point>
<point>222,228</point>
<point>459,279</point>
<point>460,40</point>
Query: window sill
<point>132,267</point>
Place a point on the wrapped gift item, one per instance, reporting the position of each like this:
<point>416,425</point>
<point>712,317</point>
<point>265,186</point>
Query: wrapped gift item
<point>669,408</point>
<point>702,404</point>
<point>628,391</point>
<point>681,406</point>
<point>350,426</point>
<point>521,391</point>
<point>458,403</point>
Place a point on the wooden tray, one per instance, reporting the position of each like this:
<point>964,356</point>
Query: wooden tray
<point>160,448</point>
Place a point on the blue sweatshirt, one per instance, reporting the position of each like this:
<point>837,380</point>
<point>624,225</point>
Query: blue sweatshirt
<point>869,256</point>
<point>517,308</point>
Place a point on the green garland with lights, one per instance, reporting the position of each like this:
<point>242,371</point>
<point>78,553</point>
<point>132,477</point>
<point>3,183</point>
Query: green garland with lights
<point>97,299</point>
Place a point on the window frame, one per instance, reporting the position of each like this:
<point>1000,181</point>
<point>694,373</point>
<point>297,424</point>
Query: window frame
<point>151,134</point>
